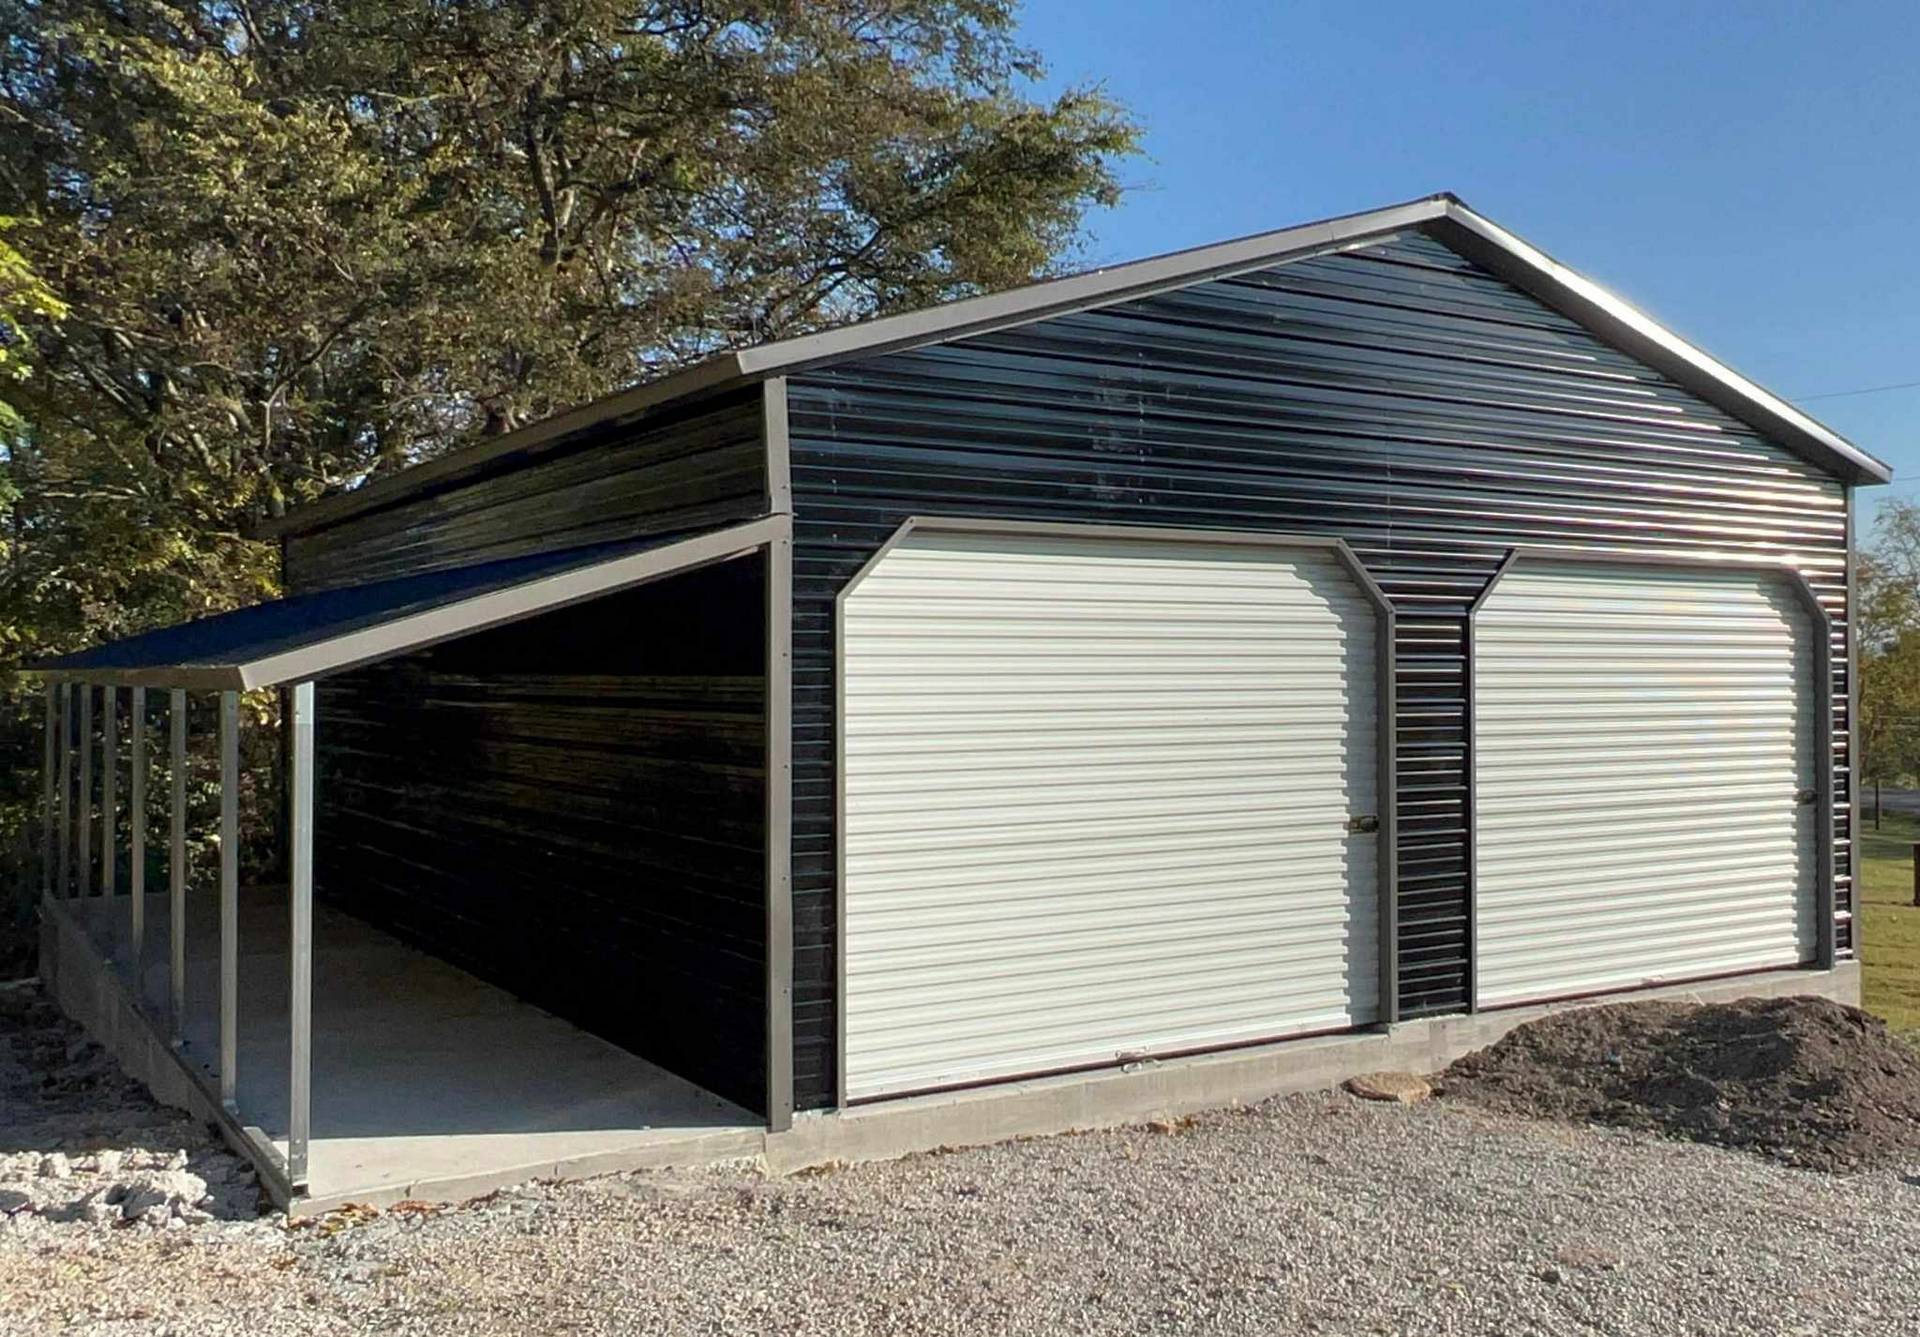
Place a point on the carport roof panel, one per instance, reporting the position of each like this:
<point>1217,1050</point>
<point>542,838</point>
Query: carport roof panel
<point>311,635</point>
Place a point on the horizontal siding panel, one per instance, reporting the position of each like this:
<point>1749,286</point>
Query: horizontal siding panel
<point>575,813</point>
<point>572,807</point>
<point>683,471</point>
<point>1396,396</point>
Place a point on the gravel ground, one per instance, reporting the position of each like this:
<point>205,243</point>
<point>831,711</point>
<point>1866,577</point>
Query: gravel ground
<point>1315,1214</point>
<point>79,1140</point>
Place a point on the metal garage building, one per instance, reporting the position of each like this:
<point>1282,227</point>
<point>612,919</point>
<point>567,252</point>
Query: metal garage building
<point>1364,629</point>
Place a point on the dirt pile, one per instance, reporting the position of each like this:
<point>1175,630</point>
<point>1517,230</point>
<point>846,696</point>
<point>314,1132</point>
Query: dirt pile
<point>1806,1081</point>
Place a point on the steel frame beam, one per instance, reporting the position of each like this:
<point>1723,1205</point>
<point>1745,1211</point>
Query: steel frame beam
<point>779,831</point>
<point>1856,757</point>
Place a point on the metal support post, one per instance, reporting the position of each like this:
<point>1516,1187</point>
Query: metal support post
<point>84,809</point>
<point>177,865</point>
<point>137,838</point>
<point>48,763</point>
<point>300,964</point>
<point>109,791</point>
<point>63,873</point>
<point>229,898</point>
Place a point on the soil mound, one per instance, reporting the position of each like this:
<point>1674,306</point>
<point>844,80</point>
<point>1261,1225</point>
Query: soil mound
<point>1806,1081</point>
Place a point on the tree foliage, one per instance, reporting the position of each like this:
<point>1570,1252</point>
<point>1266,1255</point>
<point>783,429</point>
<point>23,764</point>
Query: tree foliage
<point>1888,632</point>
<point>24,297</point>
<point>270,248</point>
<point>303,243</point>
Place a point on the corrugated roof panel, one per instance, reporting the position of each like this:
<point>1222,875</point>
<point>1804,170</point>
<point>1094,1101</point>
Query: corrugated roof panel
<point>309,635</point>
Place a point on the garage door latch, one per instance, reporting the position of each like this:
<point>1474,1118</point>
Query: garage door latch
<point>1363,826</point>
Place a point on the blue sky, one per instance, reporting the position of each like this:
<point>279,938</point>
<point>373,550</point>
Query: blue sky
<point>1744,172</point>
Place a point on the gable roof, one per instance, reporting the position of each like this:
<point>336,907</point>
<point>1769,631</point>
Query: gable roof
<point>1443,217</point>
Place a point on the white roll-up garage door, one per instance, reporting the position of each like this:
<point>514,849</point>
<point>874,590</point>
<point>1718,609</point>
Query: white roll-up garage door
<point>1646,777</point>
<point>1097,803</point>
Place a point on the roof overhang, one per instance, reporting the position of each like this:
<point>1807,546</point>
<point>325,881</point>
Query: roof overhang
<point>1444,217</point>
<point>312,635</point>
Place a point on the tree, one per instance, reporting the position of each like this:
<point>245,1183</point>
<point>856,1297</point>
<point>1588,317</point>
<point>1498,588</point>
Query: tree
<point>303,242</point>
<point>24,296</point>
<point>1887,614</point>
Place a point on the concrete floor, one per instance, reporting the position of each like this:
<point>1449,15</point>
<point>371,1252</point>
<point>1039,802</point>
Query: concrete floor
<point>427,1082</point>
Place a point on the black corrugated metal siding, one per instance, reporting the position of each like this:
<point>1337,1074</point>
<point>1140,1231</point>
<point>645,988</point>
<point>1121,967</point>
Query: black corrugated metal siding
<point>1398,396</point>
<point>683,470</point>
<point>574,808</point>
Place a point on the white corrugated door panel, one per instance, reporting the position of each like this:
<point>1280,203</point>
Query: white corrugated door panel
<point>1096,796</point>
<point>1645,748</point>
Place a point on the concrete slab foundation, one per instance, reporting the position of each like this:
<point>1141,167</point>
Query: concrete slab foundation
<point>429,1084</point>
<point>1137,1092</point>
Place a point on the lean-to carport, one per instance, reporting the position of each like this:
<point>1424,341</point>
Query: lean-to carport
<point>290,644</point>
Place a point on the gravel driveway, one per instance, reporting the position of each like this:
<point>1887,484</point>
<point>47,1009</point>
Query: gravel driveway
<point>1315,1214</point>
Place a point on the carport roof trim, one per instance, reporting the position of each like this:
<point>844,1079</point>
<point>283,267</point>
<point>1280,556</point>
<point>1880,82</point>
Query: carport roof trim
<point>310,636</point>
<point>1443,217</point>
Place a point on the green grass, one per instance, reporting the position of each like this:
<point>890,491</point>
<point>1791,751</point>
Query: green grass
<point>1890,959</point>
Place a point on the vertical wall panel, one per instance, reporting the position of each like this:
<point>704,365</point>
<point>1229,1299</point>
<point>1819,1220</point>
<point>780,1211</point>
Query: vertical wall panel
<point>1397,396</point>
